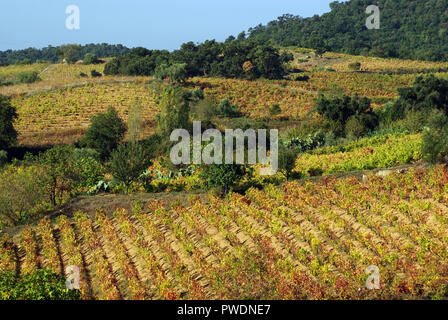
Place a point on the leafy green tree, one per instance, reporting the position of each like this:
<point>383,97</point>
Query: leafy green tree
<point>42,284</point>
<point>59,177</point>
<point>435,138</point>
<point>27,77</point>
<point>91,58</point>
<point>427,93</point>
<point>223,177</point>
<point>176,73</point>
<point>105,132</point>
<point>70,52</point>
<point>8,134</point>
<point>175,110</point>
<point>226,109</point>
<point>128,162</point>
<point>340,109</point>
<point>95,74</point>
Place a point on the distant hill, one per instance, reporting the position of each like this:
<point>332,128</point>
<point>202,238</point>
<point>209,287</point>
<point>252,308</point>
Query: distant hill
<point>50,53</point>
<point>413,29</point>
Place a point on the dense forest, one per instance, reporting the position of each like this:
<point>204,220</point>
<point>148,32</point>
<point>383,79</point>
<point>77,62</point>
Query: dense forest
<point>415,29</point>
<point>53,54</point>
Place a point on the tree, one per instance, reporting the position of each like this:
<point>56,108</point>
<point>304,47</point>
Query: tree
<point>427,93</point>
<point>91,58</point>
<point>341,109</point>
<point>223,177</point>
<point>70,52</point>
<point>105,132</point>
<point>435,138</point>
<point>226,109</point>
<point>128,162</point>
<point>175,110</point>
<point>8,134</point>
<point>176,73</point>
<point>59,177</point>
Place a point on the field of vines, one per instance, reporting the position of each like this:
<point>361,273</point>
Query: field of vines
<point>364,154</point>
<point>303,240</point>
<point>58,107</point>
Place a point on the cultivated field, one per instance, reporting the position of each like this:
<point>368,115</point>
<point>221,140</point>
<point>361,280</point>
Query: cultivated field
<point>57,109</point>
<point>309,240</point>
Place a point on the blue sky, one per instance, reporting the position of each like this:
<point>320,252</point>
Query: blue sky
<point>152,24</point>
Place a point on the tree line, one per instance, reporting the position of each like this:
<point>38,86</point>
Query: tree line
<point>234,58</point>
<point>54,54</point>
<point>409,29</point>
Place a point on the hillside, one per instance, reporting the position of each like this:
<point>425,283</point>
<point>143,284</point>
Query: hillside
<point>298,241</point>
<point>412,29</point>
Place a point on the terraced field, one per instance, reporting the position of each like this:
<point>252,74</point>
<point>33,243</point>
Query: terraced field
<point>308,240</point>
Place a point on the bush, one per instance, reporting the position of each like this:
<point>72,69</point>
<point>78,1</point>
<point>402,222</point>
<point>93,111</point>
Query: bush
<point>27,77</point>
<point>355,66</point>
<point>3,158</point>
<point>426,94</point>
<point>83,75</point>
<point>175,110</point>
<point>42,284</point>
<point>105,132</point>
<point>176,73</point>
<point>275,110</point>
<point>435,138</point>
<point>128,163</point>
<point>88,172</point>
<point>8,134</point>
<point>226,109</point>
<point>22,194</point>
<point>223,177</point>
<point>341,109</point>
<point>91,58</point>
<point>59,176</point>
<point>287,160</point>
<point>300,77</point>
<point>95,74</point>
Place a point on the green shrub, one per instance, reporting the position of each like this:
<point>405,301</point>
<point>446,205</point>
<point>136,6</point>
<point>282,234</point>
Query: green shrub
<point>287,160</point>
<point>27,77</point>
<point>91,58</point>
<point>128,163</point>
<point>8,134</point>
<point>355,66</point>
<point>226,109</point>
<point>88,172</point>
<point>435,138</point>
<point>300,77</point>
<point>95,74</point>
<point>176,73</point>
<point>59,177</point>
<point>83,75</point>
<point>22,194</point>
<point>3,158</point>
<point>275,110</point>
<point>175,110</point>
<point>105,132</point>
<point>340,109</point>
<point>40,285</point>
<point>223,177</point>
<point>427,93</point>
<point>356,127</point>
